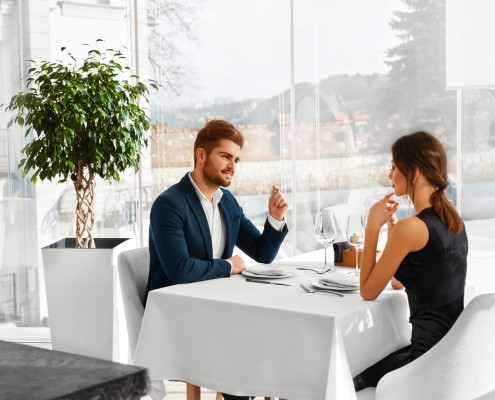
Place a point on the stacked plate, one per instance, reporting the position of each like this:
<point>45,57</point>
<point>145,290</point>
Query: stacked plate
<point>338,281</point>
<point>269,271</point>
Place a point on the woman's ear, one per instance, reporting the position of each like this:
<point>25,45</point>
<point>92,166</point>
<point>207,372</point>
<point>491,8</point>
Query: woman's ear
<point>417,173</point>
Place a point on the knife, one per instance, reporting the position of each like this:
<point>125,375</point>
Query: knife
<point>273,283</point>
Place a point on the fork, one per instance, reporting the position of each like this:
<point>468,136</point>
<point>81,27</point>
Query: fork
<point>318,271</point>
<point>309,290</point>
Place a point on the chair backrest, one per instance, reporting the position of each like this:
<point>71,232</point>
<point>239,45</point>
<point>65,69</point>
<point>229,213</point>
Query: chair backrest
<point>460,366</point>
<point>134,268</point>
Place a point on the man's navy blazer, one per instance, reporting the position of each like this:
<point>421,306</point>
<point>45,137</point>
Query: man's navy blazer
<point>180,241</point>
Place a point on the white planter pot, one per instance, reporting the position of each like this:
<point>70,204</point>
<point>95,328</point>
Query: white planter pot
<point>81,291</point>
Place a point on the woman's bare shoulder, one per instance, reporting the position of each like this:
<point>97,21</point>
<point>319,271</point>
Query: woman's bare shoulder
<point>413,229</point>
<point>411,222</point>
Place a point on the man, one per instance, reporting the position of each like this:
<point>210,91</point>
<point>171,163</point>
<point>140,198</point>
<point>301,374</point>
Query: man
<point>196,223</point>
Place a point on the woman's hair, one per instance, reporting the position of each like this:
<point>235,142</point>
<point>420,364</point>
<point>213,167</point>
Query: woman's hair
<point>424,151</point>
<point>214,131</point>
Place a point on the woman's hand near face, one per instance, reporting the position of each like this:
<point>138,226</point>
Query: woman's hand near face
<point>382,212</point>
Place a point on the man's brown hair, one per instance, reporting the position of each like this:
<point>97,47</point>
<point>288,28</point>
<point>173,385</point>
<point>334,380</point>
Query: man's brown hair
<point>214,131</point>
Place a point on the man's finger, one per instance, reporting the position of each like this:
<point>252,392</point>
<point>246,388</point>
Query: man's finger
<point>279,200</point>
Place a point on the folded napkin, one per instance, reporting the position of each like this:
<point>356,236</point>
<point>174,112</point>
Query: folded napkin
<point>340,279</point>
<point>265,269</point>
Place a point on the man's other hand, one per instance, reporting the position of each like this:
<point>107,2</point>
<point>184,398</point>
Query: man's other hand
<point>277,204</point>
<point>237,265</point>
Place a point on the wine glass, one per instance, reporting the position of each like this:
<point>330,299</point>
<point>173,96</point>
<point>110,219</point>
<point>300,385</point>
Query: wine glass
<point>325,229</point>
<point>355,235</point>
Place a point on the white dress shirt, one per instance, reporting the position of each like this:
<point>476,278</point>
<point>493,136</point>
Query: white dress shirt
<point>216,223</point>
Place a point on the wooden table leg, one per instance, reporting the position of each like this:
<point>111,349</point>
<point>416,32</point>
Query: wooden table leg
<point>193,392</point>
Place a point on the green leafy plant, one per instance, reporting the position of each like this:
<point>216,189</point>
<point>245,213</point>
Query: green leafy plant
<point>85,121</point>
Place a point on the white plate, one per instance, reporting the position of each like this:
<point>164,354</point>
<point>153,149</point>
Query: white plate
<point>330,287</point>
<point>289,274</point>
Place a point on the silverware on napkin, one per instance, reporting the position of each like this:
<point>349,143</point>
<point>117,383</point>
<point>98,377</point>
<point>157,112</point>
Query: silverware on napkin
<point>313,290</point>
<point>334,285</point>
<point>272,283</point>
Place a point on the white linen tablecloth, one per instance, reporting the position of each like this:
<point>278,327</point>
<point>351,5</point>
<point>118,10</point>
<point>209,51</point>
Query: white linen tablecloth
<point>268,340</point>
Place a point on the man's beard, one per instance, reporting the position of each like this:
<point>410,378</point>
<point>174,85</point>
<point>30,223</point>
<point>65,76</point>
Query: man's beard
<point>211,175</point>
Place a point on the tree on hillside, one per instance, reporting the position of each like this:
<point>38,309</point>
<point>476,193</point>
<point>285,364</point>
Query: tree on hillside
<point>416,81</point>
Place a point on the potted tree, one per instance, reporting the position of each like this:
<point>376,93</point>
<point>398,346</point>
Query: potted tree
<point>83,121</point>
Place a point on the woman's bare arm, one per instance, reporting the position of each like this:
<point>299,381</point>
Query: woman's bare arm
<point>408,235</point>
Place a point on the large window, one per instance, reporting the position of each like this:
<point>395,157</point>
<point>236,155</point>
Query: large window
<point>477,111</point>
<point>237,67</point>
<point>35,216</point>
<point>319,112</point>
<point>320,89</point>
<point>19,273</point>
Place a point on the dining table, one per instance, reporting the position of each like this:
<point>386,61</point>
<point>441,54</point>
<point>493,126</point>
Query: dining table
<point>265,339</point>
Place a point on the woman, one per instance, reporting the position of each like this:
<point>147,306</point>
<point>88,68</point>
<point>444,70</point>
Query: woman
<point>425,253</point>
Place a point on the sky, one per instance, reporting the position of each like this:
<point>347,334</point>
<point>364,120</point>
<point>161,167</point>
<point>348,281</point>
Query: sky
<point>243,46</point>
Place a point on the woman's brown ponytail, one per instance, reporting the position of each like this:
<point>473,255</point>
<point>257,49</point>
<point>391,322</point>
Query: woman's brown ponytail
<point>446,211</point>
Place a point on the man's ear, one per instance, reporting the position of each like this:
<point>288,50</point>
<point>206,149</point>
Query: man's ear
<point>200,155</point>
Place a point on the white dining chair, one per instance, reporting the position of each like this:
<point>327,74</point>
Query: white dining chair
<point>134,267</point>
<point>366,394</point>
<point>459,367</point>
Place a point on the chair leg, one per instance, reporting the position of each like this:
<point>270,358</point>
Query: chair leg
<point>193,392</point>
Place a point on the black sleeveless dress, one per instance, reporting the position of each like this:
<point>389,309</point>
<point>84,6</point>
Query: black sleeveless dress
<point>434,278</point>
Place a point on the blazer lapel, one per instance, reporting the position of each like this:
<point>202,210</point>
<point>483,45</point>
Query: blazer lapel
<point>197,209</point>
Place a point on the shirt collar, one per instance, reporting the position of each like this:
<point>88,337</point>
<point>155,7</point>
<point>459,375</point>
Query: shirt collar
<point>217,196</point>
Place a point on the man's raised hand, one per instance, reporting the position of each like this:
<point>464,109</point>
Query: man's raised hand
<point>277,203</point>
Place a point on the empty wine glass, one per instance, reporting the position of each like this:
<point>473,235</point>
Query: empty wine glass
<point>325,229</point>
<point>355,235</point>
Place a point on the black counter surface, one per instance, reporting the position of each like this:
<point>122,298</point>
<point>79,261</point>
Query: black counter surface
<point>28,372</point>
